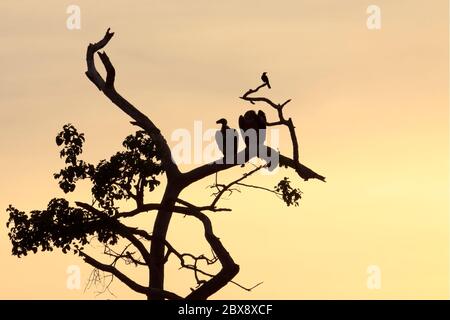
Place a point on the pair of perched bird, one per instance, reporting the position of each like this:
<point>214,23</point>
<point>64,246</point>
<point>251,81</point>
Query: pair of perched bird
<point>227,138</point>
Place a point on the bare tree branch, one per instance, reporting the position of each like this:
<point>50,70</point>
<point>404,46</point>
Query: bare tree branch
<point>213,167</point>
<point>140,119</point>
<point>125,255</point>
<point>303,171</point>
<point>185,210</point>
<point>120,228</point>
<point>229,267</point>
<point>282,121</point>
<point>144,208</point>
<point>229,185</point>
<point>258,187</point>
<point>95,278</point>
<point>245,288</point>
<point>156,206</point>
<point>130,283</point>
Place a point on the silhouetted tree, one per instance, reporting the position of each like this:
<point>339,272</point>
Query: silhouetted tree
<point>130,175</point>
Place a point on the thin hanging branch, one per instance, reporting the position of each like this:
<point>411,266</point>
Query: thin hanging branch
<point>126,280</point>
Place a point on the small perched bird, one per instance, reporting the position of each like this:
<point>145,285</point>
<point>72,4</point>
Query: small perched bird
<point>265,79</point>
<point>227,141</point>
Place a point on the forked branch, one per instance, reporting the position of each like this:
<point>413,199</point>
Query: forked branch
<point>140,119</point>
<point>229,267</point>
<point>281,119</point>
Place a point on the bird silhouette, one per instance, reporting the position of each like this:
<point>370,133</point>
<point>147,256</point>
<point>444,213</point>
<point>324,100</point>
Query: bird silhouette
<point>265,79</point>
<point>253,121</point>
<point>227,141</point>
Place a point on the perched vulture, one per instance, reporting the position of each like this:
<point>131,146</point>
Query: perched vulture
<point>227,141</point>
<point>257,121</point>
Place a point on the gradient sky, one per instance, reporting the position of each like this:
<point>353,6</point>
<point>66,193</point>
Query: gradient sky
<point>371,110</point>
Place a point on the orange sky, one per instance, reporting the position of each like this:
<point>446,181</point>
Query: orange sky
<point>371,110</point>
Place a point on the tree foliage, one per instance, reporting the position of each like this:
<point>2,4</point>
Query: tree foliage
<point>127,174</point>
<point>290,195</point>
